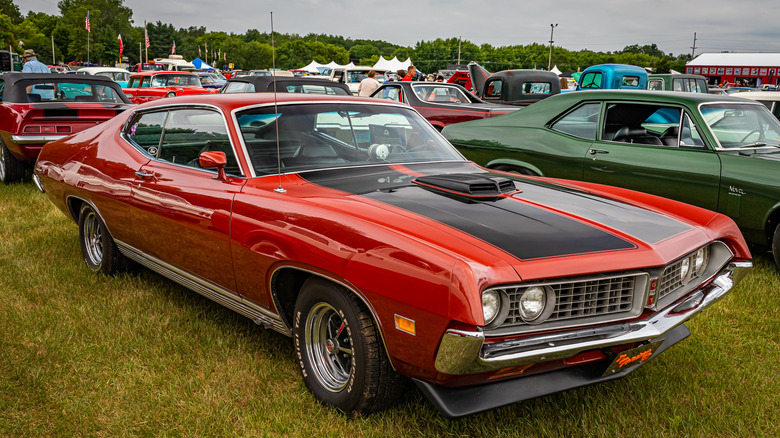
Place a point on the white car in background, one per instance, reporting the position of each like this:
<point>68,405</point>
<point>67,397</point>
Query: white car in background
<point>119,75</point>
<point>353,75</point>
<point>770,99</point>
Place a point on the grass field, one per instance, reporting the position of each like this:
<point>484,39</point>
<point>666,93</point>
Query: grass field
<point>82,354</point>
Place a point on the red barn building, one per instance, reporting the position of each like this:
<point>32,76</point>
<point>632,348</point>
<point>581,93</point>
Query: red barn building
<point>737,69</point>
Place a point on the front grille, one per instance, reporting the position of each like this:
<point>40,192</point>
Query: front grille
<point>587,298</point>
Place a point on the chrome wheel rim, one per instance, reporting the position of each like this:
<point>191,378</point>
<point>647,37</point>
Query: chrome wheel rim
<point>93,238</point>
<point>329,347</point>
<point>2,162</point>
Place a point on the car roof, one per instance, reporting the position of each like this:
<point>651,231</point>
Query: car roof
<point>758,95</point>
<point>229,102</point>
<point>99,69</point>
<point>12,78</point>
<point>162,72</point>
<point>263,82</point>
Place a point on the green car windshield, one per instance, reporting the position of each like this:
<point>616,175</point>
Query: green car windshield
<point>742,126</point>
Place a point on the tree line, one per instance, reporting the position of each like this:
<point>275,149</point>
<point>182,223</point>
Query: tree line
<point>252,49</point>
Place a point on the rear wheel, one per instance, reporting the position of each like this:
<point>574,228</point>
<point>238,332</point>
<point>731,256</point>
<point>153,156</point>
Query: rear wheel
<point>340,352</point>
<point>11,169</point>
<point>97,246</point>
<point>776,246</point>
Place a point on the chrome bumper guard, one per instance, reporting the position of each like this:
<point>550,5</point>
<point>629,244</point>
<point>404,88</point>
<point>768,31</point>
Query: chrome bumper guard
<point>35,139</point>
<point>464,352</point>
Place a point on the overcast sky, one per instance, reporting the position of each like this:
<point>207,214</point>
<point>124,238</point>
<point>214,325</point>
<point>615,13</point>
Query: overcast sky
<point>606,25</point>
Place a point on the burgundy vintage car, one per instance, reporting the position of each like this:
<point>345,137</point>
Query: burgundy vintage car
<point>151,85</point>
<point>355,228</point>
<point>441,103</point>
<point>37,108</point>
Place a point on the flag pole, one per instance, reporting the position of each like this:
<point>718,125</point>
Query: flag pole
<point>53,56</point>
<point>88,32</point>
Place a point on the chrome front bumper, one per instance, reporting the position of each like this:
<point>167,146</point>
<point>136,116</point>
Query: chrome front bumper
<point>464,352</point>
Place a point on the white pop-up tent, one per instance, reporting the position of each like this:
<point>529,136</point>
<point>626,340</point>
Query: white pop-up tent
<point>312,67</point>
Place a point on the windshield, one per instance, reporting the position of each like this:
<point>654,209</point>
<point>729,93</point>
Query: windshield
<point>738,125</point>
<point>175,81</point>
<point>318,136</point>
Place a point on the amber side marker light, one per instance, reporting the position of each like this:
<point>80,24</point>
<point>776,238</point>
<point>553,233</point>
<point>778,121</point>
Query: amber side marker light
<point>404,324</point>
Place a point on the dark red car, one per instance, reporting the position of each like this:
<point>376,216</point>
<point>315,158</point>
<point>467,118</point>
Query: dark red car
<point>151,85</point>
<point>355,228</point>
<point>441,103</point>
<point>38,108</point>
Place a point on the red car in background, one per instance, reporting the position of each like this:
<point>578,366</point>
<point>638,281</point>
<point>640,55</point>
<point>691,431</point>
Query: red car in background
<point>441,103</point>
<point>150,85</point>
<point>40,107</point>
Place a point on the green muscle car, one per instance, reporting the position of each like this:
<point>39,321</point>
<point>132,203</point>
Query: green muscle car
<point>714,151</point>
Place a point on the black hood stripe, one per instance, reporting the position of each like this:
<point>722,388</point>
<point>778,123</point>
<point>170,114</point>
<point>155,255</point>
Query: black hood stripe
<point>521,229</point>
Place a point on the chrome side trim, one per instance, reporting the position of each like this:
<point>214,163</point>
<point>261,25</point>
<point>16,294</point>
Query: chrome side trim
<point>465,352</point>
<point>35,139</point>
<point>38,183</point>
<point>212,291</point>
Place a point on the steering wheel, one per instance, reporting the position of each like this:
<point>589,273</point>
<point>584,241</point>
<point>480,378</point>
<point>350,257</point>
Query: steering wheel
<point>755,131</point>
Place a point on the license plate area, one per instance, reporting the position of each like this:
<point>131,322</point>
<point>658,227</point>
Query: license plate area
<point>632,358</point>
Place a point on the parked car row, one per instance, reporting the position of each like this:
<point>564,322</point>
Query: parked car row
<point>354,227</point>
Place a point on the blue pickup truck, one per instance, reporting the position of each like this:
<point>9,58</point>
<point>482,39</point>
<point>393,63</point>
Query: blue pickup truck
<point>613,77</point>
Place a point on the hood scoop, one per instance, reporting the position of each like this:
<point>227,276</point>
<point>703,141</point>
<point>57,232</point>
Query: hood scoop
<point>469,185</point>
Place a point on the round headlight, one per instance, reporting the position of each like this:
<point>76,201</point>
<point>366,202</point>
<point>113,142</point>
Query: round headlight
<point>700,261</point>
<point>532,303</point>
<point>491,303</point>
<point>685,268</point>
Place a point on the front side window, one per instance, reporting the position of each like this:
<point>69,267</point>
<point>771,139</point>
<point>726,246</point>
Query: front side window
<point>582,122</point>
<point>644,124</point>
<point>134,82</point>
<point>738,125</point>
<point>318,136</point>
<point>175,81</point>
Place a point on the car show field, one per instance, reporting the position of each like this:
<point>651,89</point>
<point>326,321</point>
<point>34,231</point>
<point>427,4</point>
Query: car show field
<point>136,354</point>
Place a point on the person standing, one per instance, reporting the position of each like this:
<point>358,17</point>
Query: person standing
<point>410,73</point>
<point>368,85</point>
<point>32,65</point>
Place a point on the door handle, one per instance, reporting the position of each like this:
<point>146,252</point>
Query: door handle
<point>593,151</point>
<point>143,175</point>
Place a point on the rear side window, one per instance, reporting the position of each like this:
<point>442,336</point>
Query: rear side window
<point>239,87</point>
<point>582,122</point>
<point>145,131</point>
<point>537,88</point>
<point>630,81</point>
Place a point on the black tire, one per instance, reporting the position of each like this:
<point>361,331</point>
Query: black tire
<point>97,246</point>
<point>776,245</point>
<point>340,352</point>
<point>11,169</point>
<point>513,169</point>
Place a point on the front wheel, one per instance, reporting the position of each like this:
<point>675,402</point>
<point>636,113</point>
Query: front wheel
<point>776,246</point>
<point>97,246</point>
<point>340,352</point>
<point>170,94</point>
<point>519,170</point>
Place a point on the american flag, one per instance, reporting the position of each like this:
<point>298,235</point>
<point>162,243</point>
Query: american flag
<point>146,38</point>
<point>86,23</point>
<point>199,54</point>
<point>121,46</point>
<point>173,49</point>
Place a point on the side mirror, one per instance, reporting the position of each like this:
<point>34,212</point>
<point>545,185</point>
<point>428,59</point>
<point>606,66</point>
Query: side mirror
<point>214,160</point>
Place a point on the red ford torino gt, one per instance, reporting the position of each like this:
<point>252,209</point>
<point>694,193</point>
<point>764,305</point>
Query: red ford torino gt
<point>150,85</point>
<point>353,227</point>
<point>38,108</point>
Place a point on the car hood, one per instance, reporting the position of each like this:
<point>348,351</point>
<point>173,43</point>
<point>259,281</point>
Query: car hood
<point>531,222</point>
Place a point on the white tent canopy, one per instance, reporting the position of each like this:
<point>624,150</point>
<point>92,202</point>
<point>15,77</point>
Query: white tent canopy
<point>312,67</point>
<point>555,70</point>
<point>393,64</point>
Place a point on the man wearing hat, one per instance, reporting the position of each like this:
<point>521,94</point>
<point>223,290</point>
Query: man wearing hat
<point>32,65</point>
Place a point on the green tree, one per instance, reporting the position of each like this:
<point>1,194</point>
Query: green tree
<point>8,8</point>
